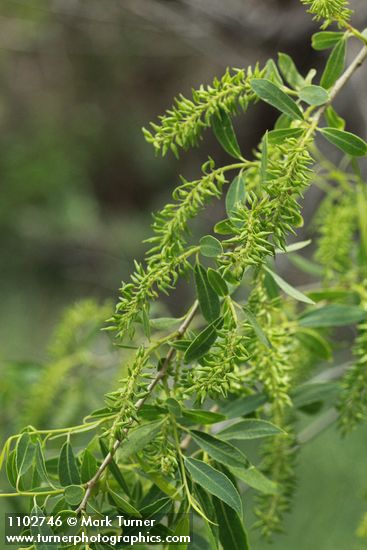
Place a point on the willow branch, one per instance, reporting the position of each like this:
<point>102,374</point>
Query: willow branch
<point>340,83</point>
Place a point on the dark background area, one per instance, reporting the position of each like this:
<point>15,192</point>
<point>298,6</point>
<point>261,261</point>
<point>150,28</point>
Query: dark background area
<point>78,80</point>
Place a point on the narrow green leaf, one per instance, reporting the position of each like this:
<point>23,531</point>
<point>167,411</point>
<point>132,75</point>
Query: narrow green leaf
<point>74,494</point>
<point>203,341</point>
<point>231,531</point>
<point>114,469</point>
<point>346,141</point>
<point>272,73</point>
<point>326,39</point>
<point>25,453</point>
<point>264,158</point>
<point>157,508</point>
<point>182,529</point>
<point>335,65</point>
<point>89,466</point>
<point>163,323</point>
<point>257,328</point>
<point>243,405</point>
<point>333,119</point>
<point>221,451</point>
<point>313,95</point>
<point>217,282</point>
<point>288,289</point>
<point>293,247</point>
<point>40,464</point>
<point>41,529</point>
<point>67,467</point>
<point>270,93</point>
<point>145,320</point>
<point>215,482</point>
<point>289,71</point>
<point>11,468</point>
<point>236,194</point>
<point>249,429</point>
<point>255,479</point>
<point>283,122</point>
<point>208,299</point>
<point>224,227</point>
<point>314,342</point>
<point>333,315</point>
<point>276,137</point>
<point>123,504</point>
<point>174,407</point>
<point>224,132</point>
<point>210,246</point>
<point>306,265</point>
<point>198,416</point>
<point>306,394</point>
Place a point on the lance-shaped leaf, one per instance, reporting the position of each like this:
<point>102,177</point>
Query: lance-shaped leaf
<point>123,504</point>
<point>198,416</point>
<point>89,466</point>
<point>40,464</point>
<point>11,468</point>
<point>333,119</point>
<point>270,93</point>
<point>40,529</point>
<point>288,289</point>
<point>217,282</point>
<point>182,529</point>
<point>325,40</point>
<point>114,469</point>
<point>346,141</point>
<point>278,136</point>
<point>25,453</point>
<point>243,405</point>
<point>67,467</point>
<point>333,315</point>
<point>231,531</point>
<point>249,429</point>
<point>221,451</point>
<point>210,246</point>
<point>293,247</point>
<point>208,298</point>
<point>257,328</point>
<point>203,341</point>
<point>224,132</point>
<point>289,71</point>
<point>255,479</point>
<point>215,482</point>
<point>313,95</point>
<point>264,158</point>
<point>236,194</point>
<point>335,65</point>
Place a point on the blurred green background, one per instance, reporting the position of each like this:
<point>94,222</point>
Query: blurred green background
<point>78,80</point>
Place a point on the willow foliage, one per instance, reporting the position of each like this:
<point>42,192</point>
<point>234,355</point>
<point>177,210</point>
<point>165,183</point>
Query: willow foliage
<point>239,365</point>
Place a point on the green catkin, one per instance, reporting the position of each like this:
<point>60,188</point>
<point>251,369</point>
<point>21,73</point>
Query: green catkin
<point>353,402</point>
<point>330,10</point>
<point>183,124</point>
<point>279,462</point>
<point>336,223</point>
<point>272,366</point>
<point>68,350</point>
<point>218,374</point>
<point>161,454</point>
